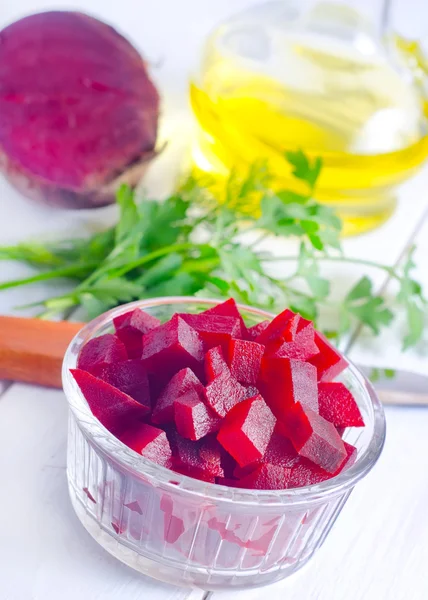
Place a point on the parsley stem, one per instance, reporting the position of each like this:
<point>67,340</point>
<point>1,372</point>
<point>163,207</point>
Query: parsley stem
<point>154,255</point>
<point>73,271</point>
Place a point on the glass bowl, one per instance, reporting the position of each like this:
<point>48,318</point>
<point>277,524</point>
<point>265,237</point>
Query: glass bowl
<point>187,532</point>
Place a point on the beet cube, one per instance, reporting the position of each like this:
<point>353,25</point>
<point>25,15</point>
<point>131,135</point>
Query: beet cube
<point>227,309</point>
<point>213,329</point>
<point>193,418</point>
<point>214,363</point>
<point>254,331</point>
<point>329,362</point>
<point>148,441</point>
<point>315,438</point>
<point>114,409</point>
<point>201,459</point>
<point>129,377</point>
<point>182,382</point>
<point>286,381</point>
<point>224,392</point>
<point>282,327</point>
<point>280,452</point>
<point>131,327</point>
<point>101,351</point>
<point>305,472</point>
<point>171,347</point>
<point>246,430</point>
<point>266,477</point>
<point>244,359</point>
<point>337,405</point>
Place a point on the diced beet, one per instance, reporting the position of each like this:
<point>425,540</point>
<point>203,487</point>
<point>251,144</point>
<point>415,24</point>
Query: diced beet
<point>246,430</point>
<point>129,377</point>
<point>286,381</point>
<point>315,438</point>
<point>250,391</point>
<point>280,452</point>
<point>305,472</point>
<point>214,363</point>
<point>193,418</point>
<point>131,327</point>
<point>283,326</point>
<point>224,392</point>
<point>338,405</point>
<point>227,309</point>
<point>228,463</point>
<point>244,359</point>
<point>150,442</point>
<point>182,382</point>
<point>201,459</point>
<point>101,351</point>
<point>329,362</point>
<point>171,347</point>
<point>227,481</point>
<point>214,329</point>
<point>114,409</point>
<point>266,477</point>
<point>294,350</point>
<point>254,331</point>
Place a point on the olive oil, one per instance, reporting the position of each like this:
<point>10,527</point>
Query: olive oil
<point>260,94</point>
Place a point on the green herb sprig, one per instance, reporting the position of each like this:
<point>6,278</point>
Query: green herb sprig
<point>196,243</point>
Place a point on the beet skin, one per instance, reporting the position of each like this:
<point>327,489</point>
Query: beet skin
<point>78,112</point>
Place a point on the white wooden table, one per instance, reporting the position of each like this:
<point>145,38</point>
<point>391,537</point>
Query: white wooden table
<point>378,550</point>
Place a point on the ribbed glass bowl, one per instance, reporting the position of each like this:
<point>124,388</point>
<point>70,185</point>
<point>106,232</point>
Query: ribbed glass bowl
<point>187,532</point>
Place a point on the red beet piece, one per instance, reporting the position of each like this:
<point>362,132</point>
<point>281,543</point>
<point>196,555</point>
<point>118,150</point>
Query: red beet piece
<point>285,381</point>
<point>227,309</point>
<point>171,347</point>
<point>224,392</point>
<point>193,418</point>
<point>329,362</point>
<point>77,109</point>
<point>337,405</point>
<point>101,351</point>
<point>315,438</point>
<point>282,327</point>
<point>201,459</point>
<point>266,477</point>
<point>244,359</point>
<point>131,327</point>
<point>182,382</point>
<point>305,472</point>
<point>254,331</point>
<point>130,377</point>
<point>213,329</point>
<point>214,363</point>
<point>114,409</point>
<point>280,452</point>
<point>246,430</point>
<point>150,442</point>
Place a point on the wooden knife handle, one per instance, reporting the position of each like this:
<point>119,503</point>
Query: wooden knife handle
<point>32,350</point>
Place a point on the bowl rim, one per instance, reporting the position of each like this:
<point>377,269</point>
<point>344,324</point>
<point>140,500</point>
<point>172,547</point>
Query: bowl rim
<point>142,467</point>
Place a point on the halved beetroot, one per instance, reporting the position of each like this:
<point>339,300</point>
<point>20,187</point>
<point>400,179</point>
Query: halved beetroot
<point>282,327</point>
<point>337,405</point>
<point>214,330</point>
<point>171,347</point>
<point>201,459</point>
<point>223,393</point>
<point>266,477</point>
<point>193,418</point>
<point>114,409</point>
<point>101,351</point>
<point>315,438</point>
<point>254,331</point>
<point>182,382</point>
<point>131,327</point>
<point>227,309</point>
<point>284,381</point>
<point>148,441</point>
<point>129,377</point>
<point>246,430</point>
<point>244,359</point>
<point>214,363</point>
<point>329,362</point>
<point>305,472</point>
